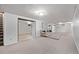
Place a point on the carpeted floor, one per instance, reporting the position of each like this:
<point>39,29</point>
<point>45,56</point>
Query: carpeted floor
<point>43,45</point>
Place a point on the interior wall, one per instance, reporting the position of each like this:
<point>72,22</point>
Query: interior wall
<point>53,28</point>
<point>10,22</point>
<point>45,26</point>
<point>34,31</point>
<point>66,27</point>
<point>38,27</point>
<point>76,27</point>
<point>60,28</point>
<point>10,28</point>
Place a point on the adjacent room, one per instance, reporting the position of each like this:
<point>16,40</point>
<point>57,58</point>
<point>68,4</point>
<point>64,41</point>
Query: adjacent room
<point>25,29</point>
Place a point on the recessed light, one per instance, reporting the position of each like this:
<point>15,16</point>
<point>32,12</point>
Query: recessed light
<point>68,22</point>
<point>40,12</point>
<point>60,23</point>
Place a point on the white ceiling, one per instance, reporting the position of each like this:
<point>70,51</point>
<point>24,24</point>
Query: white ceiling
<point>55,12</point>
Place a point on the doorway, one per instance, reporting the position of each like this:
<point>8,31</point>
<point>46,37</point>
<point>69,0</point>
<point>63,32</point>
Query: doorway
<point>26,29</point>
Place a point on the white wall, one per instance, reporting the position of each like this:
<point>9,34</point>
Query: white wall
<point>65,27</point>
<point>45,26</point>
<point>76,27</point>
<point>38,27</point>
<point>68,27</point>
<point>10,28</point>
<point>60,28</point>
<point>34,30</point>
<point>53,28</point>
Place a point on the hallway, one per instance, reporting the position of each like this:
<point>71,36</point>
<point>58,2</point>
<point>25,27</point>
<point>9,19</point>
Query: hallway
<point>65,45</point>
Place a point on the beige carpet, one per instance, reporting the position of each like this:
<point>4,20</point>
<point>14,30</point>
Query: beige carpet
<point>24,37</point>
<point>42,45</point>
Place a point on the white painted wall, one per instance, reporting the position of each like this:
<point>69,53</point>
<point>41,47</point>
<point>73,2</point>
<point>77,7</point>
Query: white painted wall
<point>76,27</point>
<point>45,26</point>
<point>66,27</point>
<point>53,28</point>
<point>60,28</point>
<point>38,27</point>
<point>10,28</point>
<point>34,30</point>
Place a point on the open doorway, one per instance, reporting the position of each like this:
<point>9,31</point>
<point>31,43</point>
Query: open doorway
<point>26,29</point>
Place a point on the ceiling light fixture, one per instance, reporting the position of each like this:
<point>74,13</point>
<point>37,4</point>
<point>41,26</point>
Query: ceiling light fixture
<point>60,23</point>
<point>68,22</point>
<point>40,12</point>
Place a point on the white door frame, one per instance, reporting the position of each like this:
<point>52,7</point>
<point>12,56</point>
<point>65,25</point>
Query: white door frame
<point>33,28</point>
